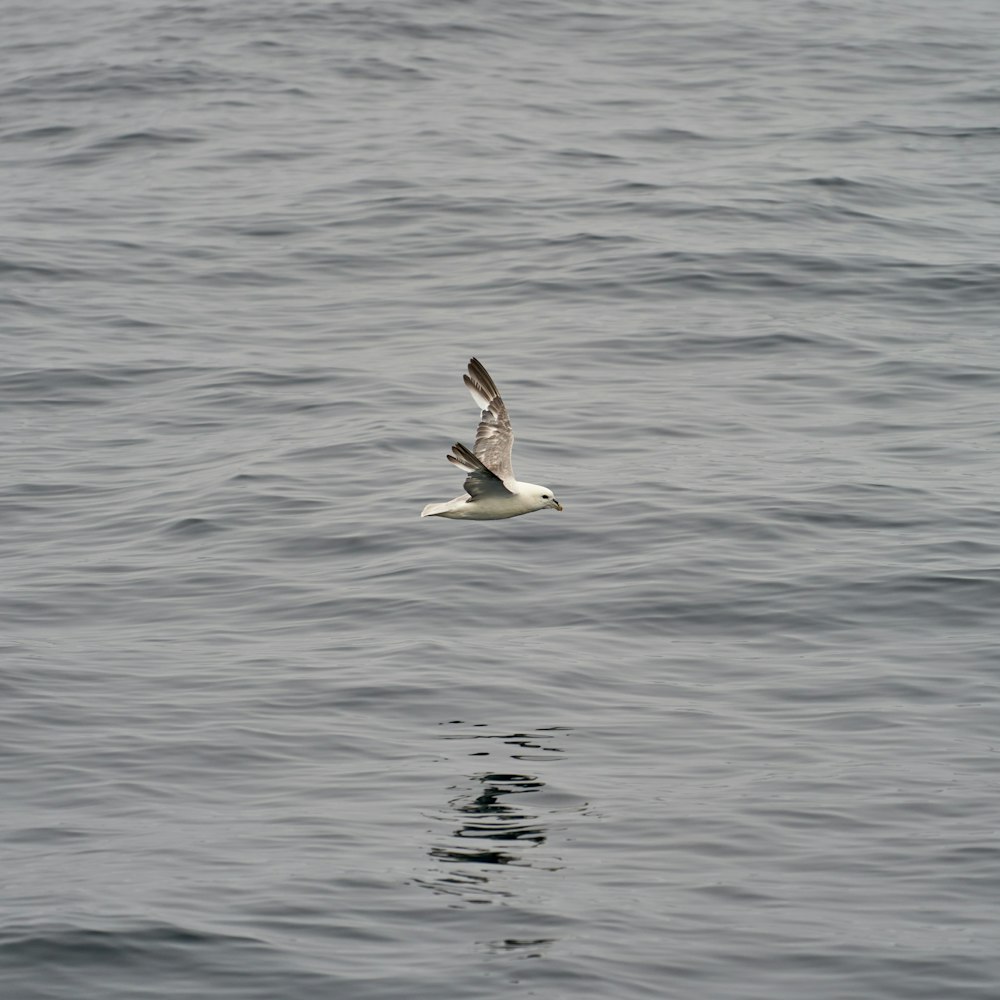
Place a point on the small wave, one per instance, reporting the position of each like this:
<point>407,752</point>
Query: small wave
<point>68,943</point>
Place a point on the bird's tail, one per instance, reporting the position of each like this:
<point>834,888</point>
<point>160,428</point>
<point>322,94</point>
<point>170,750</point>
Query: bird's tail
<point>436,508</point>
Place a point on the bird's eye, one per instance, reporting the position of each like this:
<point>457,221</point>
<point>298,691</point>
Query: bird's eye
<point>545,496</point>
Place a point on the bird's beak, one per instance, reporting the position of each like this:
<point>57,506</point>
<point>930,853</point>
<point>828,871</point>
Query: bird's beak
<point>557,505</point>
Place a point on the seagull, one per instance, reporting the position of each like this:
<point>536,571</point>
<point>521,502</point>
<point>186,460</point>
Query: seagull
<point>491,491</point>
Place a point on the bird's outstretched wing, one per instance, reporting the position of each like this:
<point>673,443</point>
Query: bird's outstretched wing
<point>480,481</point>
<point>494,437</point>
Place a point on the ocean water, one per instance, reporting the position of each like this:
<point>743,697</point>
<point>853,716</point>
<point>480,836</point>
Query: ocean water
<point>726,728</point>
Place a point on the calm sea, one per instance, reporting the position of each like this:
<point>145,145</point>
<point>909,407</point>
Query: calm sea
<point>727,728</point>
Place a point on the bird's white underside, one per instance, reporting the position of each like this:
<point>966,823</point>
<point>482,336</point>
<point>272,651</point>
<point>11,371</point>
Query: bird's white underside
<point>486,508</point>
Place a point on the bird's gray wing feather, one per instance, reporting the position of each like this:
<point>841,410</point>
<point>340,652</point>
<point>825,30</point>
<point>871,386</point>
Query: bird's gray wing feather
<point>480,481</point>
<point>494,436</point>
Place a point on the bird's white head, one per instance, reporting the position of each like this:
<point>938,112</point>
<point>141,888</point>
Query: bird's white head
<point>541,496</point>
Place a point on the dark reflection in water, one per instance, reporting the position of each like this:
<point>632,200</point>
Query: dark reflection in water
<point>493,821</point>
<point>488,816</point>
<point>533,741</point>
<point>531,947</point>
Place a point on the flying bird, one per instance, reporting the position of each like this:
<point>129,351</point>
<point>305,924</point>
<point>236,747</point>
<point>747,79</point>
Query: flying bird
<point>491,491</point>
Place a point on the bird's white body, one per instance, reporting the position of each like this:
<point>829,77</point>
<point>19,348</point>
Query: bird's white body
<point>492,492</point>
<point>525,499</point>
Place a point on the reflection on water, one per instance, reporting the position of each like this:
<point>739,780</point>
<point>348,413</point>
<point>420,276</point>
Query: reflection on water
<point>495,817</point>
<point>534,741</point>
<point>528,947</point>
<point>488,821</point>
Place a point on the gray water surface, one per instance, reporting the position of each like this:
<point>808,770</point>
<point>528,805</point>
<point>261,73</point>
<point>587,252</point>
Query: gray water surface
<point>725,729</point>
